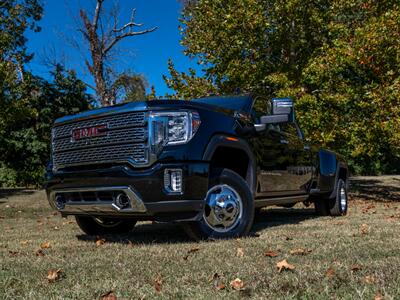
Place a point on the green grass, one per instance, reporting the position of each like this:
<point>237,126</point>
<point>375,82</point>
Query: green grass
<point>129,265</point>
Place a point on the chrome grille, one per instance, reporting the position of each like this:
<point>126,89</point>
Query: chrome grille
<point>125,141</point>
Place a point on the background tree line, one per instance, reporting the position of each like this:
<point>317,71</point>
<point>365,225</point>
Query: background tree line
<point>339,60</point>
<point>29,104</point>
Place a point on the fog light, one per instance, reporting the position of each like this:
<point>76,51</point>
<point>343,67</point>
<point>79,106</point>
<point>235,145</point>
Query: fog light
<point>59,202</point>
<point>173,180</point>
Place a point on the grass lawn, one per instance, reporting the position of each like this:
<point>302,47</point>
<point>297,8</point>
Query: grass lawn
<point>352,257</point>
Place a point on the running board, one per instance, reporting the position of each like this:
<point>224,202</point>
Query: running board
<point>280,200</point>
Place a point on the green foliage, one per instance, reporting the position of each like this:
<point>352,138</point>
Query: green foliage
<point>338,59</point>
<point>25,129</point>
<point>29,104</point>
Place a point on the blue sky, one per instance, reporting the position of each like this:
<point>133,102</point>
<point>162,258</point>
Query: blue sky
<point>145,54</point>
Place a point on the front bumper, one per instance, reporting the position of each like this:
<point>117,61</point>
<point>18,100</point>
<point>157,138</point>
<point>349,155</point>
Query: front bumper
<point>95,192</point>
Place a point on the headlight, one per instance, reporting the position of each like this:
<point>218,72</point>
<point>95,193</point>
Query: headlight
<point>173,128</point>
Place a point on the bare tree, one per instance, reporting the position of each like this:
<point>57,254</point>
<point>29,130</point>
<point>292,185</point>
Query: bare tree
<point>102,34</point>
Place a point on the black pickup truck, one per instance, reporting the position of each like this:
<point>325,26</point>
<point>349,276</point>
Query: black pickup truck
<point>208,163</point>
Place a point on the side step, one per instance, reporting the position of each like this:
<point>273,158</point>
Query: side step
<point>280,200</point>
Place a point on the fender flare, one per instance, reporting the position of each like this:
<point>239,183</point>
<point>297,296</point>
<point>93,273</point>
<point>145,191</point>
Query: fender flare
<point>329,171</point>
<point>221,140</point>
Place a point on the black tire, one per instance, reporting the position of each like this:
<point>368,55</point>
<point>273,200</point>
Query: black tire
<point>225,180</point>
<point>100,226</point>
<point>339,204</point>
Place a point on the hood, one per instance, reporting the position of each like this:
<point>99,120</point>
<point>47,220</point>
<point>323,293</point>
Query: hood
<point>225,105</point>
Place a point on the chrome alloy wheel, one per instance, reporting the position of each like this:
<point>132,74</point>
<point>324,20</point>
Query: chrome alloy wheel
<point>343,199</point>
<point>223,209</point>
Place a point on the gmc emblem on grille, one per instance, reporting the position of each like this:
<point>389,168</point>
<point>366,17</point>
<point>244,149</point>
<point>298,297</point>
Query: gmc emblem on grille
<point>89,132</point>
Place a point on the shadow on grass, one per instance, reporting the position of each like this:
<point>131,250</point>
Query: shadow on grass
<point>378,189</point>
<point>147,233</point>
<point>169,233</point>
<point>5,193</point>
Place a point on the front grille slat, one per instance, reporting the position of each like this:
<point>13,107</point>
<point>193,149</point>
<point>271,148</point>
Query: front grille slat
<point>125,141</point>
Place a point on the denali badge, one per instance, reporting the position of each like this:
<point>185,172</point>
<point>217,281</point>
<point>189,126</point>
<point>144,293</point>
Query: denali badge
<point>89,132</point>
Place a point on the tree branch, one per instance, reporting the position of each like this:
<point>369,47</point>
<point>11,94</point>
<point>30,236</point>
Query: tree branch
<point>97,13</point>
<point>130,24</point>
<point>122,36</point>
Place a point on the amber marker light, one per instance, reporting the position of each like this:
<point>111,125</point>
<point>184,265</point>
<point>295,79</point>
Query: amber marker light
<point>231,139</point>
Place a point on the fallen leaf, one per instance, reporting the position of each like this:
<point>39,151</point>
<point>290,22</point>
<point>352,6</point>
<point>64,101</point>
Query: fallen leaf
<point>284,265</point>
<point>26,242</point>
<point>220,286</point>
<point>355,267</point>
<point>239,252</point>
<point>108,296</point>
<point>158,283</point>
<point>191,251</point>
<point>364,229</point>
<point>378,296</point>
<point>54,275</point>
<point>300,251</point>
<point>56,228</point>
<point>330,273</point>
<point>13,253</point>
<point>100,242</point>
<point>40,252</point>
<point>237,284</point>
<point>288,238</point>
<point>68,222</point>
<point>271,253</point>
<point>45,245</point>
<point>369,279</point>
<point>214,277</point>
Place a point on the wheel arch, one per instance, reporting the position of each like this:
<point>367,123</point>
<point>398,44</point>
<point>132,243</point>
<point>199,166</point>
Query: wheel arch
<point>235,154</point>
<point>331,167</point>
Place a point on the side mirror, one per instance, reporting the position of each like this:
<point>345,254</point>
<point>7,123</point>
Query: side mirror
<point>282,111</point>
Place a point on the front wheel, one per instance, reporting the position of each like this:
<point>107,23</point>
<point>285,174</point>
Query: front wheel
<point>100,225</point>
<point>228,211</point>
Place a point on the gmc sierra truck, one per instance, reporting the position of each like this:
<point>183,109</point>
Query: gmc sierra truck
<point>208,163</point>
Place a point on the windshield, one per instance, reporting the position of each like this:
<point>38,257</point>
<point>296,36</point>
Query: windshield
<point>239,103</point>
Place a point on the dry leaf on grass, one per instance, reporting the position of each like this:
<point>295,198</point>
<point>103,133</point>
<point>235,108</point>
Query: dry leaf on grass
<point>300,251</point>
<point>100,242</point>
<point>40,252</point>
<point>378,296</point>
<point>364,229</point>
<point>191,251</point>
<point>271,253</point>
<point>330,273</point>
<point>356,267</point>
<point>45,245</point>
<point>13,253</point>
<point>108,296</point>
<point>239,252</point>
<point>158,283</point>
<point>26,242</point>
<point>54,275</point>
<point>369,279</point>
<point>284,265</point>
<point>220,286</point>
<point>237,284</point>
